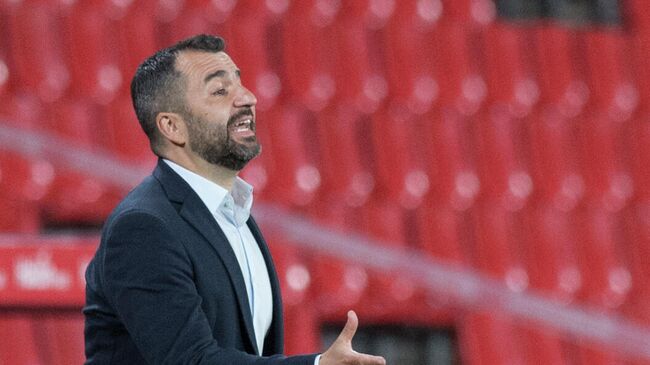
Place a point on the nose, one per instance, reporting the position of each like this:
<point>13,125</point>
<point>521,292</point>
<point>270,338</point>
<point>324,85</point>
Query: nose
<point>245,98</point>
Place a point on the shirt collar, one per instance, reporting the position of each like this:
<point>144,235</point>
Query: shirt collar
<point>216,198</point>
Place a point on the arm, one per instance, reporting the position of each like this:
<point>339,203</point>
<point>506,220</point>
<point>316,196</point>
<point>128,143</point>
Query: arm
<point>148,280</point>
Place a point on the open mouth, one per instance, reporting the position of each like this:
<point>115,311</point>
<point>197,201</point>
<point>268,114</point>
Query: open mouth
<point>243,127</point>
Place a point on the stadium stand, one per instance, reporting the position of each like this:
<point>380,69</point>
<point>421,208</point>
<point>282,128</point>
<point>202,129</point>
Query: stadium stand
<point>426,162</point>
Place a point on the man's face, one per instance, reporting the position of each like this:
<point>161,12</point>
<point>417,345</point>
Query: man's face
<point>220,113</point>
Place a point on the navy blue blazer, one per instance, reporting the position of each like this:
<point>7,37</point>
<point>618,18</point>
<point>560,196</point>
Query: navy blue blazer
<point>165,287</point>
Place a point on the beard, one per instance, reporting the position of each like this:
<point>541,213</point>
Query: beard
<point>214,144</point>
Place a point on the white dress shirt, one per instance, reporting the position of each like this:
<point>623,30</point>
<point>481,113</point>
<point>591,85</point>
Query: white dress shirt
<point>231,210</point>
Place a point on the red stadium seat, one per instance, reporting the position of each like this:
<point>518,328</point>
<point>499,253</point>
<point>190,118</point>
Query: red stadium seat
<point>389,223</point>
<point>409,54</point>
<point>91,51</point>
<point>6,72</point>
<point>124,137</point>
<point>19,216</point>
<point>505,188</point>
<point>636,248</point>
<point>501,158</point>
<point>309,52</point>
<point>451,169</point>
<point>346,159</point>
<point>493,339</point>
<point>6,96</point>
<point>606,181</point>
<point>440,232</point>
<point>134,17</point>
<point>553,161</point>
<point>301,329</point>
<point>612,92</point>
<point>36,49</point>
<point>337,286</point>
<point>561,85</point>
<point>637,140</point>
<point>80,198</point>
<point>543,346</point>
<point>293,270</point>
<point>398,166</point>
<point>385,221</point>
<point>296,280</point>
<point>23,183</point>
<point>606,276</point>
<point>358,74</point>
<point>550,252</point>
<point>480,12</point>
<point>596,355</point>
<point>24,180</point>
<point>488,339</point>
<point>77,123</point>
<point>295,178</point>
<point>19,343</point>
<point>63,338</point>
<point>511,83</point>
<point>460,81</point>
<point>494,252</point>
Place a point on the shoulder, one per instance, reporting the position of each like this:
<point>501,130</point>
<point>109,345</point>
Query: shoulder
<point>146,208</point>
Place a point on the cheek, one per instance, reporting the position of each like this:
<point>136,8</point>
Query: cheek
<point>219,118</point>
<point>217,131</point>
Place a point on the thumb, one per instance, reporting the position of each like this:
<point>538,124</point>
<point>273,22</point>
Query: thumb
<point>350,328</point>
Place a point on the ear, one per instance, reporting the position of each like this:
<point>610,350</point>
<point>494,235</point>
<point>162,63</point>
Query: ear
<point>172,127</point>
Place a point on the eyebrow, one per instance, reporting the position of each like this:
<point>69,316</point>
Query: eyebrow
<point>219,73</point>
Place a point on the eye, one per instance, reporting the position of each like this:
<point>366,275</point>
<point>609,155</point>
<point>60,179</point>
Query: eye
<point>220,92</point>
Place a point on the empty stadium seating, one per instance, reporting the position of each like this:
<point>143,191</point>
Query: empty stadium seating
<point>561,86</point>
<point>61,333</point>
<point>513,151</point>
<point>37,63</point>
<point>18,340</point>
<point>509,75</point>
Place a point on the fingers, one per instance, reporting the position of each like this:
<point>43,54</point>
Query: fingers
<point>350,328</point>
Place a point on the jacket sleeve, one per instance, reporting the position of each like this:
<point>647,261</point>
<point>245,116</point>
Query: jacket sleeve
<point>147,277</point>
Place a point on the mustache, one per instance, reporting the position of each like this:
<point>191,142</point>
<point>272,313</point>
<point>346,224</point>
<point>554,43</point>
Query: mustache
<point>244,112</point>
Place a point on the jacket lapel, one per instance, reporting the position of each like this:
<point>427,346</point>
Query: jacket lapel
<point>198,216</point>
<point>275,339</point>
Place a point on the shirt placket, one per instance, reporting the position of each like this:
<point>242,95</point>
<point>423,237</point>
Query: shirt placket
<point>230,216</point>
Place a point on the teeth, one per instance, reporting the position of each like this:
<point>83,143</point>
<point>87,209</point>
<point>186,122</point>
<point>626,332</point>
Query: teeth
<point>245,122</point>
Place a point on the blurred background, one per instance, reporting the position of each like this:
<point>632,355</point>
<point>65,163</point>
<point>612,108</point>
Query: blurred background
<point>471,176</point>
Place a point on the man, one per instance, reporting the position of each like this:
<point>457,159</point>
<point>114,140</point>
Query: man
<point>182,274</point>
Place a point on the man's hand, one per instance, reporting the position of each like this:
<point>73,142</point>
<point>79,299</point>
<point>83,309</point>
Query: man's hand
<point>341,352</point>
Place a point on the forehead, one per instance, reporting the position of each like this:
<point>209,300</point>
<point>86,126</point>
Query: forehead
<point>197,64</point>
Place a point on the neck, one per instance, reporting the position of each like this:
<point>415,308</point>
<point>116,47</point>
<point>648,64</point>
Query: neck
<point>217,174</point>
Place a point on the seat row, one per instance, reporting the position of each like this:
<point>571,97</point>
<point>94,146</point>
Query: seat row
<point>342,155</point>
<point>325,55</point>
<point>41,338</point>
<point>318,290</point>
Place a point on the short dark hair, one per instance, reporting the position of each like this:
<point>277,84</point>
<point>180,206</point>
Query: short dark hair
<point>156,86</point>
